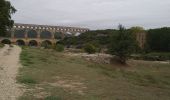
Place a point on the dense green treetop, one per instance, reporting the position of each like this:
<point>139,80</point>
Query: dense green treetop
<point>159,39</point>
<point>6,10</point>
<point>122,44</point>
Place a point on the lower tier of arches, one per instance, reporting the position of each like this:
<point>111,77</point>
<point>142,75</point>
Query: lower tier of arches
<point>30,42</point>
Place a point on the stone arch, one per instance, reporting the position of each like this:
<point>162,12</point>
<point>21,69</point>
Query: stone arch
<point>46,35</point>
<point>58,35</point>
<point>20,42</point>
<point>19,33</point>
<point>46,43</point>
<point>6,41</point>
<point>33,43</point>
<point>32,34</point>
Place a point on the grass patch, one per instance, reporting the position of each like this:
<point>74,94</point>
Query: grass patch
<point>1,45</point>
<point>52,98</point>
<point>27,80</point>
<point>73,78</point>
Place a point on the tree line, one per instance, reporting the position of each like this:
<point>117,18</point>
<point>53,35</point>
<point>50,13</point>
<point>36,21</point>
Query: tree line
<point>157,40</point>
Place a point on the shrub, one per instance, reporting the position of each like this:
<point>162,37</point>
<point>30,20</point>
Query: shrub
<point>46,45</point>
<point>152,56</point>
<point>26,80</point>
<point>89,48</point>
<point>59,48</point>
<point>157,56</point>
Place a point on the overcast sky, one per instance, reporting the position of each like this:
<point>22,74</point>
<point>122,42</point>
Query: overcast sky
<point>93,14</point>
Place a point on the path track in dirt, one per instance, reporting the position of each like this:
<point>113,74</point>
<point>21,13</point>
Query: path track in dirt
<point>9,66</point>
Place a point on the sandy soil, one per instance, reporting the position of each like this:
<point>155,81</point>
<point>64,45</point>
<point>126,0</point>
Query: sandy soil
<point>9,65</point>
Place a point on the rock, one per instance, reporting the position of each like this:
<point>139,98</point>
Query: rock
<point>98,58</point>
<point>2,82</point>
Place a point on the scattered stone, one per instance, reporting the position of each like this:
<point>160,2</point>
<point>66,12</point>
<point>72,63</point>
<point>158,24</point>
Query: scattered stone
<point>98,58</point>
<point>2,82</point>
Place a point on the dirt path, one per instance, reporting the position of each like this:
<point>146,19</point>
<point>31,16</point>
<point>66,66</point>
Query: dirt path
<point>9,64</point>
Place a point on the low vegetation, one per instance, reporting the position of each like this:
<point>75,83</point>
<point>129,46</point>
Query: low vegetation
<point>64,77</point>
<point>1,45</point>
<point>154,56</point>
<point>59,48</point>
<point>89,48</point>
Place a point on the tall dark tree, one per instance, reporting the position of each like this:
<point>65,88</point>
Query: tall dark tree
<point>159,39</point>
<point>122,44</point>
<point>6,10</point>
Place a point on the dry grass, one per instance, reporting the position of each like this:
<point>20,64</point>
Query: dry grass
<point>54,76</point>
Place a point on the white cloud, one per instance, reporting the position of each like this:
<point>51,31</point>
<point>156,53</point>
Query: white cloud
<point>94,14</point>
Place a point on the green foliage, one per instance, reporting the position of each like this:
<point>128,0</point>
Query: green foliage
<point>59,47</point>
<point>153,56</point>
<point>53,98</point>
<point>99,38</point>
<point>1,45</point>
<point>122,44</point>
<point>89,48</point>
<point>46,45</point>
<point>6,9</point>
<point>137,29</point>
<point>58,35</point>
<point>159,39</point>
<point>26,80</point>
<point>6,41</point>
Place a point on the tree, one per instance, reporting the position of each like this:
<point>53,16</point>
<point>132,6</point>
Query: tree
<point>6,10</point>
<point>159,39</point>
<point>137,29</point>
<point>122,44</point>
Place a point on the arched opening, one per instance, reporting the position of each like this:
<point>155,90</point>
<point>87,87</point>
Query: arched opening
<point>20,42</point>
<point>33,43</point>
<point>32,34</point>
<point>19,34</point>
<point>46,44</point>
<point>68,34</point>
<point>46,35</point>
<point>6,41</point>
<point>58,35</point>
<point>77,34</point>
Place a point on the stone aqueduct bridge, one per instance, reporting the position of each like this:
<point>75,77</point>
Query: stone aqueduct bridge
<point>36,35</point>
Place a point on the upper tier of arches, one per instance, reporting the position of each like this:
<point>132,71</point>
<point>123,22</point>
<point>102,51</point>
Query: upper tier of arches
<point>49,28</point>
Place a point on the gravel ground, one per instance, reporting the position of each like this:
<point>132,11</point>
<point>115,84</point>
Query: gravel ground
<point>9,65</point>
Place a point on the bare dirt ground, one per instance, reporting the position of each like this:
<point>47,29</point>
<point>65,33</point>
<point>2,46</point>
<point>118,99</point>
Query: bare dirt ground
<point>9,65</point>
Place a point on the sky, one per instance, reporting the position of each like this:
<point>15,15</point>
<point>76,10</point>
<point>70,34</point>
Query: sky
<point>93,14</point>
